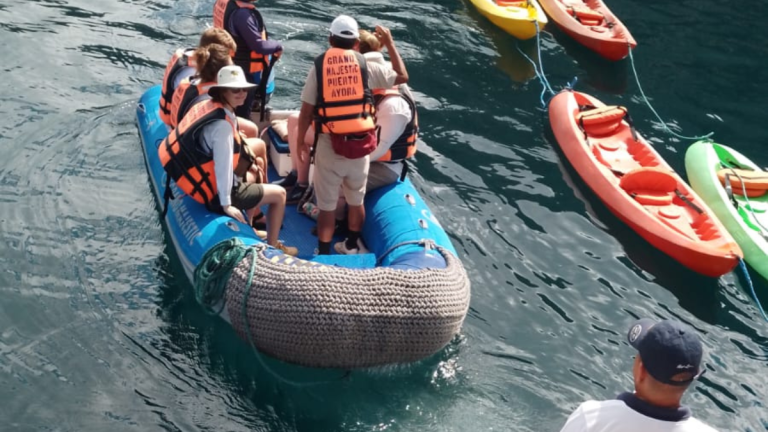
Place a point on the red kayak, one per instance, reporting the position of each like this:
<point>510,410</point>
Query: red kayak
<point>637,185</point>
<point>593,25</point>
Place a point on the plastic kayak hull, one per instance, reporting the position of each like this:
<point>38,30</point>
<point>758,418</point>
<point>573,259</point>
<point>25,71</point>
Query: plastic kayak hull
<point>703,160</point>
<point>519,19</point>
<point>594,26</point>
<point>640,188</point>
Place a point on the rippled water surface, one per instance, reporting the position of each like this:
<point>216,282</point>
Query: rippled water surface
<point>99,329</point>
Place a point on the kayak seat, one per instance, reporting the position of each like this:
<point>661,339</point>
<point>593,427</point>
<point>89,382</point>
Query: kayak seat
<point>755,182</point>
<point>602,121</point>
<point>510,3</point>
<point>585,15</point>
<point>642,154</point>
<point>649,186</point>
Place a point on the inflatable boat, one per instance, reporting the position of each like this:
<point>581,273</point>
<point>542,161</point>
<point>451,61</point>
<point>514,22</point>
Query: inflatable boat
<point>402,302</point>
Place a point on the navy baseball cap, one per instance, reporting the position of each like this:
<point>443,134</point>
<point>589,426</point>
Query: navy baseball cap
<point>671,351</point>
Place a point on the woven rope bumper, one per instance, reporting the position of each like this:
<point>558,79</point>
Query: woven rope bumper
<point>327,316</point>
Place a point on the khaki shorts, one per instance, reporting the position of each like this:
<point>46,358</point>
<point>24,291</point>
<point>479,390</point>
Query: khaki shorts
<point>244,196</point>
<point>333,171</point>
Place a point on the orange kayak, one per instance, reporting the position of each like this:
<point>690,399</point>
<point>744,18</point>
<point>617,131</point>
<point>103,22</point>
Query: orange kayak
<point>637,185</point>
<point>593,25</point>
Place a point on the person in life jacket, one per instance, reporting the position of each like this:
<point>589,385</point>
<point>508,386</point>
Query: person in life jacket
<point>182,66</point>
<point>396,119</point>
<point>337,97</point>
<point>254,51</point>
<point>202,157</point>
<point>210,59</point>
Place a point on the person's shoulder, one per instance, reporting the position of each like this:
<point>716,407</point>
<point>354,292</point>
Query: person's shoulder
<point>375,66</point>
<point>374,56</point>
<point>695,425</point>
<point>245,14</point>
<point>593,405</point>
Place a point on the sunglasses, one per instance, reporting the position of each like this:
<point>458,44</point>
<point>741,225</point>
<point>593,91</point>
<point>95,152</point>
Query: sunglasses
<point>237,90</point>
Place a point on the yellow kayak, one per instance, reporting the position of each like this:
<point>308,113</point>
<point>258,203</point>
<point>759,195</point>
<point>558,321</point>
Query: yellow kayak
<point>517,18</point>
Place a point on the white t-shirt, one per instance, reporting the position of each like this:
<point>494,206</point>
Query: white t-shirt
<point>392,115</point>
<point>617,416</point>
<point>218,141</point>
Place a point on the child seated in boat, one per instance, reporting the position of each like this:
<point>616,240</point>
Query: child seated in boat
<point>202,156</point>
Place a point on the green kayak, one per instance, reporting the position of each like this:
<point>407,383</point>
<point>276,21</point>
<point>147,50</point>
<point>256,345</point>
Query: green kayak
<point>743,209</point>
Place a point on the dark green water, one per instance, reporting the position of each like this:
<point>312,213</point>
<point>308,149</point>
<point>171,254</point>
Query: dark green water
<point>98,327</point>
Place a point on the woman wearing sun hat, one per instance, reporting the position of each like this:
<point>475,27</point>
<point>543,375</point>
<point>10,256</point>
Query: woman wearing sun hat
<point>202,155</point>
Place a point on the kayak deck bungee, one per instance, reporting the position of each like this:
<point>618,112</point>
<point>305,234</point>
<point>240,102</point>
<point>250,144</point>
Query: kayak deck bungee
<point>637,185</point>
<point>521,19</point>
<point>736,190</point>
<point>592,24</point>
<point>400,303</point>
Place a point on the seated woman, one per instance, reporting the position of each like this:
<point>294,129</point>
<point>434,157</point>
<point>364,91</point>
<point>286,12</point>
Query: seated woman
<point>202,155</point>
<point>209,60</point>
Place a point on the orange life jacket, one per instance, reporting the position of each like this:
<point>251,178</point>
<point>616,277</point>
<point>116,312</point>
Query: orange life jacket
<point>188,94</point>
<point>184,158</point>
<point>405,145</point>
<point>178,61</point>
<point>344,102</point>
<point>250,61</point>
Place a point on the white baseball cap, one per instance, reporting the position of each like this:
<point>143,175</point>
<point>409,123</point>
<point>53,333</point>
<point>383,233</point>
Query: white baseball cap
<point>231,76</point>
<point>345,27</point>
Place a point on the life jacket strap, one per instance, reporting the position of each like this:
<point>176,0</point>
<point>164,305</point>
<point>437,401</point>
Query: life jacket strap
<point>197,186</point>
<point>167,196</point>
<point>339,104</point>
<point>406,169</point>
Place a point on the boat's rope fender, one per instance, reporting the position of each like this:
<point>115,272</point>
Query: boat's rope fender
<point>211,278</point>
<point>318,315</point>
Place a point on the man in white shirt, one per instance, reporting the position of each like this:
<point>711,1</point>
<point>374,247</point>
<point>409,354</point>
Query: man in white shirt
<point>668,361</point>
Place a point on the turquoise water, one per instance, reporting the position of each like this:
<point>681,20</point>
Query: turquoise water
<point>98,326</point>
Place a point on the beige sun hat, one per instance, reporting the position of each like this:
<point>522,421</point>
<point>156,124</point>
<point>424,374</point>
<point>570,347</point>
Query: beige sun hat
<point>231,76</point>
